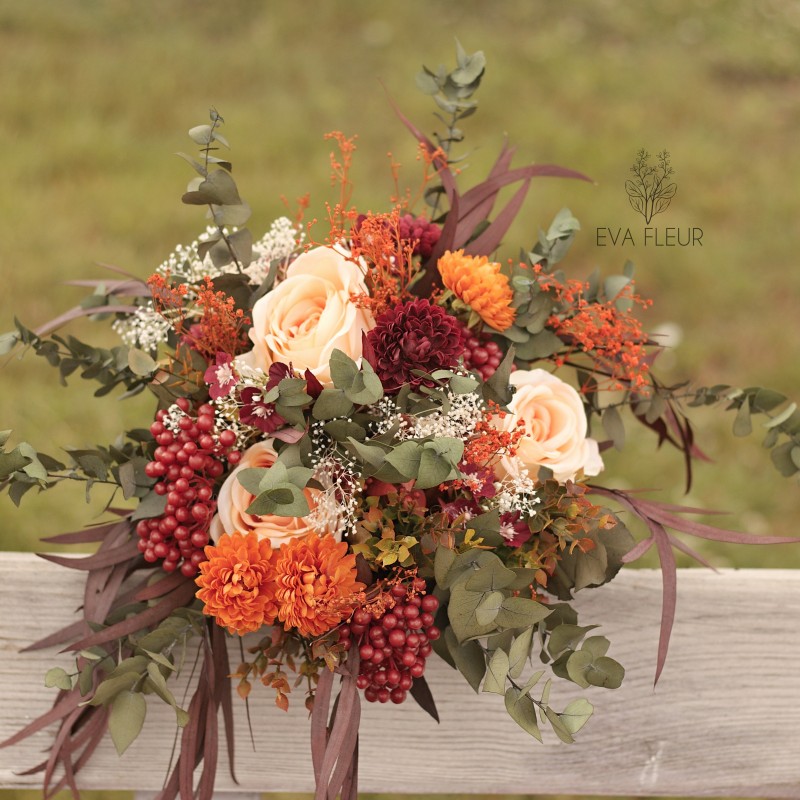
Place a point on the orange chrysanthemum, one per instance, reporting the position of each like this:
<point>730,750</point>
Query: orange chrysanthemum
<point>237,583</point>
<point>316,584</point>
<point>479,283</point>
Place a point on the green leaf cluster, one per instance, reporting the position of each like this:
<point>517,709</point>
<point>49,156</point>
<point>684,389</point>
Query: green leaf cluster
<point>577,570</point>
<point>352,386</point>
<point>118,366</point>
<point>582,661</point>
<point>122,464</point>
<point>453,91</point>
<point>553,245</point>
<point>781,428</point>
<point>277,490</point>
<point>144,666</point>
<point>215,187</point>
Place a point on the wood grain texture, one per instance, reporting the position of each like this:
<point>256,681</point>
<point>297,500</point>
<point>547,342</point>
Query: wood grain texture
<point>723,721</point>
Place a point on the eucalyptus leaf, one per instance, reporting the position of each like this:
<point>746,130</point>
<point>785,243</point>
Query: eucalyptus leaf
<point>614,426</point>
<point>488,608</point>
<point>558,726</point>
<point>533,680</point>
<point>126,719</point>
<point>230,215</point>
<point>201,134</point>
<point>496,673</point>
<point>566,637</point>
<point>111,687</point>
<point>252,478</point>
<point>442,561</point>
<point>405,458</point>
<point>596,645</point>
<point>576,714</point>
<point>522,710</point>
<point>605,672</point>
<point>520,612</point>
<point>490,576</point>
<point>331,403</point>
<point>462,613</point>
<point>343,369</point>
<point>742,426</point>
<point>58,677</point>
<point>578,664</point>
<point>140,363</point>
<point>520,652</point>
<point>433,469</point>
<point>468,658</point>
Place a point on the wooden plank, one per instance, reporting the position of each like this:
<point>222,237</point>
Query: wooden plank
<point>724,719</point>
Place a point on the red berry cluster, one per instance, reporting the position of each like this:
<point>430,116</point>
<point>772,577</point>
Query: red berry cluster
<point>393,647</point>
<point>186,464</point>
<point>481,354</point>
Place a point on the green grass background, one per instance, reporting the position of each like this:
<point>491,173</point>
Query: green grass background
<point>95,97</point>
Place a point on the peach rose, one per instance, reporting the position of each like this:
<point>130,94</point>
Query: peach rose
<point>555,428</point>
<point>311,313</point>
<point>234,499</point>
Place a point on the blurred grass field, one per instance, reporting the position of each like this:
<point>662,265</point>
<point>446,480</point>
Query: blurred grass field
<point>96,98</point>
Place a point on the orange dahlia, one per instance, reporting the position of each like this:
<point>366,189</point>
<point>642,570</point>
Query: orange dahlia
<point>316,584</point>
<point>237,583</point>
<point>479,283</point>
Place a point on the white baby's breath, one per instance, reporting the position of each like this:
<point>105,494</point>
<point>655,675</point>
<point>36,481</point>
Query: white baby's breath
<point>145,328</point>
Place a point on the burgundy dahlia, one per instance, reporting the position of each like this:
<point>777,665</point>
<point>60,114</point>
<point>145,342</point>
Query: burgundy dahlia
<point>414,336</point>
<point>421,231</point>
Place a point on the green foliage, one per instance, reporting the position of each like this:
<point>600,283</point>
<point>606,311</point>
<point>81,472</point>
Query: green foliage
<point>453,92</point>
<point>143,664</point>
<point>109,367</point>
<point>278,490</point>
<point>782,426</point>
<point>215,187</point>
<point>121,465</point>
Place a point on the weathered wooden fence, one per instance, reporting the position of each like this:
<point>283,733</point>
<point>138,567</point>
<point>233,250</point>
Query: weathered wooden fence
<point>724,719</point>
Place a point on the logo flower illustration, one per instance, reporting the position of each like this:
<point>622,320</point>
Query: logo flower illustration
<point>651,191</point>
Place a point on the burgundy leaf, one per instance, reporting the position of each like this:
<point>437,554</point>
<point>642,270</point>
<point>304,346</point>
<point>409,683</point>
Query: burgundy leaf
<point>58,637</point>
<point>222,696</point>
<point>477,204</point>
<point>192,740</point>
<point>344,729</point>
<point>421,692</point>
<point>56,747</point>
<point>446,176</point>
<point>490,239</point>
<point>669,593</point>
<point>161,587</point>
<point>78,312</point>
<point>350,785</point>
<point>92,733</point>
<point>64,705</point>
<point>144,619</point>
<point>319,721</point>
<point>104,558</point>
<point>638,550</point>
<point>94,533</point>
<point>126,288</point>
<point>705,531</point>
<point>691,552</point>
<point>432,279</point>
<point>205,788</point>
<point>336,765</point>
<point>669,575</point>
<point>313,386</point>
<point>118,270</point>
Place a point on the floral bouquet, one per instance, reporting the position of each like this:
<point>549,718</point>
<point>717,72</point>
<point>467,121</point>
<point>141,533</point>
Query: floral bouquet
<point>368,448</point>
